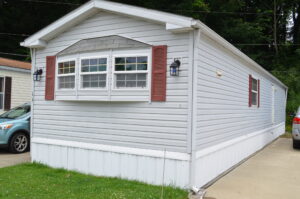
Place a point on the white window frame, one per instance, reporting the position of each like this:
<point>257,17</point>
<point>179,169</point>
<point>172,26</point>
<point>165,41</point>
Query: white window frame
<point>65,75</point>
<point>147,72</point>
<point>253,91</point>
<point>94,73</point>
<point>3,93</point>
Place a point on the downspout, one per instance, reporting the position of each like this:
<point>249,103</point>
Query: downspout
<point>33,56</point>
<point>194,36</point>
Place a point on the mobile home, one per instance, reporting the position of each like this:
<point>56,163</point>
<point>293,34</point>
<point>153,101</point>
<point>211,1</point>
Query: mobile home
<point>15,83</point>
<point>132,92</point>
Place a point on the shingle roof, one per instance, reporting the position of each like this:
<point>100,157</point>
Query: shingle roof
<point>14,63</point>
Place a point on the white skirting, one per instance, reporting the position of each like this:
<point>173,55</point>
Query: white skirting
<point>127,163</point>
<point>148,165</point>
<point>213,161</point>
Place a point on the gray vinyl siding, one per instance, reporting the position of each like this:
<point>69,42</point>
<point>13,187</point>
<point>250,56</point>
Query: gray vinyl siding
<point>156,125</point>
<point>280,97</point>
<point>222,102</point>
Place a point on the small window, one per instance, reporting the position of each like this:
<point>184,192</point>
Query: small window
<point>131,72</point>
<point>66,75</point>
<point>93,73</point>
<point>1,92</point>
<point>254,91</point>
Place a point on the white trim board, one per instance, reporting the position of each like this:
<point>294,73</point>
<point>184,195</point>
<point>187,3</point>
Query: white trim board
<point>114,149</point>
<point>210,164</point>
<point>223,145</point>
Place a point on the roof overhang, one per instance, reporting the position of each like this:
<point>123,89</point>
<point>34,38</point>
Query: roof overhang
<point>15,69</point>
<point>174,23</point>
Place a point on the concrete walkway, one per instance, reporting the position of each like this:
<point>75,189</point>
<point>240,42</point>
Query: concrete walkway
<point>8,159</point>
<point>273,173</point>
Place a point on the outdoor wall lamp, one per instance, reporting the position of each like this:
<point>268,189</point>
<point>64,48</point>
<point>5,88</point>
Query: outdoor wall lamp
<point>174,68</point>
<point>37,75</point>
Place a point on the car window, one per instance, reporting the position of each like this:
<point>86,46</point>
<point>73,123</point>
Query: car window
<point>16,112</point>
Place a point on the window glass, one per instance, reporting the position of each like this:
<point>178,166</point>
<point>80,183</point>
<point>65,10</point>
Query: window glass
<point>93,81</point>
<point>254,92</point>
<point>131,63</point>
<point>254,84</point>
<point>16,112</point>
<point>94,65</point>
<point>131,80</point>
<point>254,98</point>
<point>67,82</point>
<point>66,67</point>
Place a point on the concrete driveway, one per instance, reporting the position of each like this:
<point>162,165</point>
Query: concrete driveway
<point>273,173</point>
<point>8,159</point>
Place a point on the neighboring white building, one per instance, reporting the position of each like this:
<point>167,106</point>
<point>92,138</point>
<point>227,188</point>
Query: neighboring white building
<point>107,105</point>
<point>15,83</point>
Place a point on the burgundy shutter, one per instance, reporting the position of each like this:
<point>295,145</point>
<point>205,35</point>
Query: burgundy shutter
<point>50,77</point>
<point>159,70</point>
<point>7,93</point>
<point>258,93</point>
<point>250,90</point>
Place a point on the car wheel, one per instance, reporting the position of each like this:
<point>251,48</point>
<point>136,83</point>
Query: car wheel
<point>295,144</point>
<point>19,143</point>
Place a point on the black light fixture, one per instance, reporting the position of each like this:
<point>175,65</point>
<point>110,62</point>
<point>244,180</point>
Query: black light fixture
<point>37,75</point>
<point>174,68</point>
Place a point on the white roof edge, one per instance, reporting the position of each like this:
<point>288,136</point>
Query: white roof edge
<point>178,22</point>
<point>212,34</point>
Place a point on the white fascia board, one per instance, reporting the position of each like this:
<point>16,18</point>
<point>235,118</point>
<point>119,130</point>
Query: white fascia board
<point>177,28</point>
<point>58,25</point>
<point>213,35</point>
<point>35,44</point>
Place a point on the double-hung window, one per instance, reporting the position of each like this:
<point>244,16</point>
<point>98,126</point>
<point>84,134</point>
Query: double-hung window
<point>130,72</point>
<point>1,93</point>
<point>93,73</point>
<point>254,91</point>
<point>66,74</point>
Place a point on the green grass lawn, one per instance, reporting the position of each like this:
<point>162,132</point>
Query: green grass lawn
<point>35,181</point>
<point>288,132</point>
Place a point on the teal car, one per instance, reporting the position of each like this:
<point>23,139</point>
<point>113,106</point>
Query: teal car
<point>15,129</point>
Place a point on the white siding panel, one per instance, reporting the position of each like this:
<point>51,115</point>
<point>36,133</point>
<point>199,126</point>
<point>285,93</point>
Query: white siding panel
<point>222,102</point>
<point>21,86</point>
<point>156,125</point>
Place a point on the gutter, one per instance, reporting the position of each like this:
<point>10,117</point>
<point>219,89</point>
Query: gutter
<point>15,69</point>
